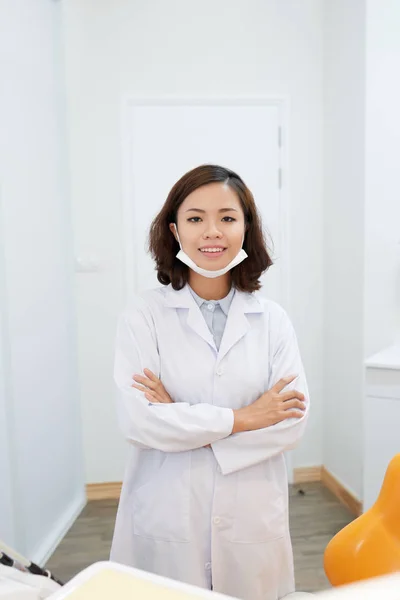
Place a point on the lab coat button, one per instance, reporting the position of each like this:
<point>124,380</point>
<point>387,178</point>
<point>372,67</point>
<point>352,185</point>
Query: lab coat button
<point>208,566</point>
<point>216,520</point>
<point>220,371</point>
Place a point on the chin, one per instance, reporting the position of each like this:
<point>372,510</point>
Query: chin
<point>213,265</point>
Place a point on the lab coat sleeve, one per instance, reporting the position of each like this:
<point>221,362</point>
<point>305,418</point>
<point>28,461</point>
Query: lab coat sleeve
<point>248,448</point>
<point>166,427</point>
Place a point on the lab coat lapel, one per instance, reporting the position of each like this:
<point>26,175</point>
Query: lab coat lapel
<point>195,320</point>
<point>237,324</point>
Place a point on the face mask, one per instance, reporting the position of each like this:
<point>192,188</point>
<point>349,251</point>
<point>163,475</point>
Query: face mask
<point>183,257</point>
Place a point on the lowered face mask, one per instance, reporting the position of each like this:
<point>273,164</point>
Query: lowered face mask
<point>183,257</point>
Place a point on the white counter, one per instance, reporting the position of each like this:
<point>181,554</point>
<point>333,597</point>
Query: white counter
<point>381,419</point>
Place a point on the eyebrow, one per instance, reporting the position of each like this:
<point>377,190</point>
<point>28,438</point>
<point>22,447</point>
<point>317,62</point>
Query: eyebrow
<point>221,210</point>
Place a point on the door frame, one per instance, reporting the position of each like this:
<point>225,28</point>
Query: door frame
<point>280,101</point>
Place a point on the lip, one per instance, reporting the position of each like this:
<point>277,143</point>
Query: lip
<point>212,255</point>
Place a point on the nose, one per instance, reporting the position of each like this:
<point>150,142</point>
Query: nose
<point>211,231</point>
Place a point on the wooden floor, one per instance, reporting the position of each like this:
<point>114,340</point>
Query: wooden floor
<point>315,518</point>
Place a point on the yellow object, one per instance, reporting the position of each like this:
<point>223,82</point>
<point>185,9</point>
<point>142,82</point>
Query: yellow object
<point>111,581</point>
<point>370,545</point>
<point>109,584</point>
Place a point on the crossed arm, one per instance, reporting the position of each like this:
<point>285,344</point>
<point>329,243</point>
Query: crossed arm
<point>150,419</point>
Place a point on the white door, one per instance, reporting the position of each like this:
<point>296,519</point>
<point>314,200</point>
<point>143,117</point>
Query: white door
<point>164,140</point>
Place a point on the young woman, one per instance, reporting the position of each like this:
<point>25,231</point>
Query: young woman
<point>213,393</point>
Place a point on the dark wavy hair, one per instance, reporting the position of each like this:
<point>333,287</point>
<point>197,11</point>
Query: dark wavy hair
<point>164,247</point>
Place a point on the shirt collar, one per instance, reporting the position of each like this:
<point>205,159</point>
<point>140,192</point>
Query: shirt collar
<point>224,303</point>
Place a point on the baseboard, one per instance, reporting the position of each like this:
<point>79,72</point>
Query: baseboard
<point>341,492</point>
<point>321,473</point>
<point>307,474</point>
<point>103,491</point>
<point>112,490</point>
<point>42,554</point>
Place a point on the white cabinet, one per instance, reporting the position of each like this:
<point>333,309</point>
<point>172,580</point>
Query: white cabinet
<point>382,419</point>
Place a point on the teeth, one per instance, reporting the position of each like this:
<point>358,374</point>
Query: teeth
<point>212,250</point>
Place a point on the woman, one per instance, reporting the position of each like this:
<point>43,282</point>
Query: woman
<point>212,393</point>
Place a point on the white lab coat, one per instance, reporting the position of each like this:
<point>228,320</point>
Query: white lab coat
<point>206,516</point>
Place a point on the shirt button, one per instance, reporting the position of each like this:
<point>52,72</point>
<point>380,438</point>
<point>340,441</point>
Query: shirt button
<point>216,520</point>
<point>208,566</point>
<point>220,371</point>
<point>210,306</point>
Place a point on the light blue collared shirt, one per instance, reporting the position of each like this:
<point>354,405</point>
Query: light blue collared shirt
<point>215,313</point>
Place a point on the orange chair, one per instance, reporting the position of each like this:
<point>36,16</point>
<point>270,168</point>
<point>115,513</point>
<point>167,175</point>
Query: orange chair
<point>370,545</point>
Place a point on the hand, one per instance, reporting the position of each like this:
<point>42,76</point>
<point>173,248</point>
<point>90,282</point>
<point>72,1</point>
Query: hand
<point>153,389</point>
<point>271,408</point>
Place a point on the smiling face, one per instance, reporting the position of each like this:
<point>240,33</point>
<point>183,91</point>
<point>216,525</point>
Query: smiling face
<point>211,225</point>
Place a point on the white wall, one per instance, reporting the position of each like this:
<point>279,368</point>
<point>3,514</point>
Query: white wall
<point>39,390</point>
<point>344,214</point>
<point>382,219</point>
<point>362,215</point>
<point>214,48</point>
<point>7,524</point>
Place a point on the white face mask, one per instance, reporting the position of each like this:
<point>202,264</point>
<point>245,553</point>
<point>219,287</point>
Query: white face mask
<point>183,257</point>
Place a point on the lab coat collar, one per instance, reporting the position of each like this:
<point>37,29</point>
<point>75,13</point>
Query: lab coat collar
<point>224,303</point>
<point>249,303</point>
<point>237,324</point>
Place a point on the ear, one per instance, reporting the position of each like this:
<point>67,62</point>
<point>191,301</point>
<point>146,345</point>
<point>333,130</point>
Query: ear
<point>172,228</point>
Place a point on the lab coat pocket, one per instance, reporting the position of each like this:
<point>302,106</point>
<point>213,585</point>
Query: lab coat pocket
<point>260,506</point>
<point>161,505</point>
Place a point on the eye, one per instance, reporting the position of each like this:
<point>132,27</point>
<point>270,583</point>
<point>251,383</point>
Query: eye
<point>229,219</point>
<point>194,220</point>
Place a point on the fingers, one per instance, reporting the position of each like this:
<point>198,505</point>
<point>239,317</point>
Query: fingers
<point>148,383</point>
<point>286,396</point>
<point>141,388</point>
<point>152,388</point>
<point>292,414</point>
<point>282,383</point>
<point>148,394</point>
<point>151,375</point>
<point>152,397</point>
<point>291,404</point>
